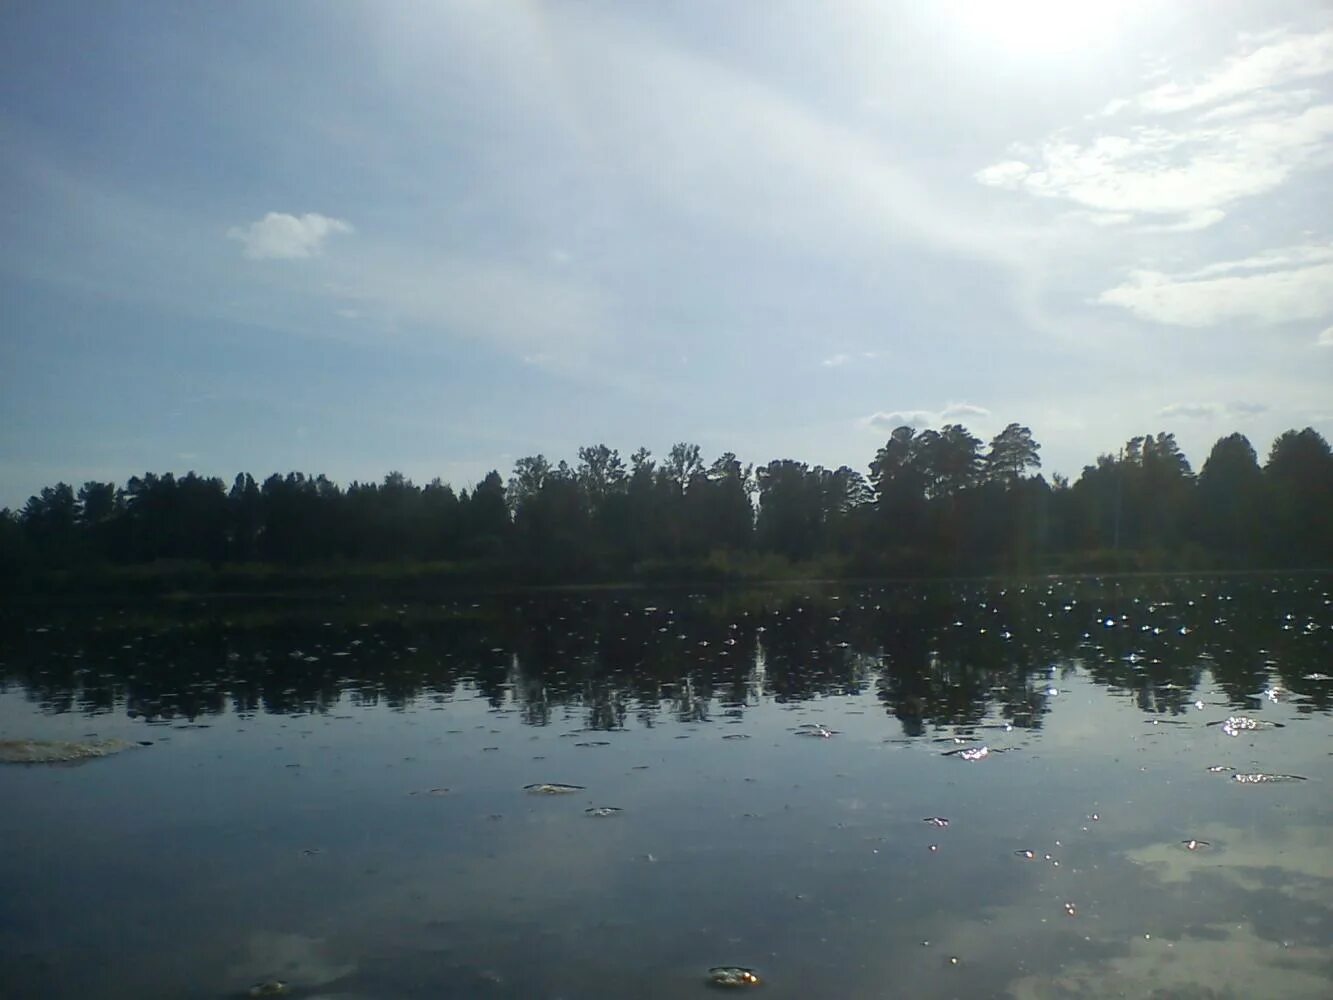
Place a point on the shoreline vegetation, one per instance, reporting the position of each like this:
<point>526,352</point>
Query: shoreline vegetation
<point>936,504</point>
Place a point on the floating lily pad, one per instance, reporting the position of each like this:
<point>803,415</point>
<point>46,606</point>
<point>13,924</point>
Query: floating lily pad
<point>552,788</point>
<point>731,976</point>
<point>269,988</point>
<point>1264,779</point>
<point>1237,724</point>
<point>972,753</point>
<point>57,751</point>
<point>815,729</point>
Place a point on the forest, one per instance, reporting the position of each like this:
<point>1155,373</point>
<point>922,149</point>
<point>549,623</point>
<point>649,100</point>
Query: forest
<point>934,502</point>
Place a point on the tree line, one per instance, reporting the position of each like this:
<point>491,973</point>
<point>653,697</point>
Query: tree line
<point>934,501</point>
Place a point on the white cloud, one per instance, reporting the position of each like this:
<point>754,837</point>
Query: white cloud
<point>1213,411</point>
<point>1009,173</point>
<point>279,236</point>
<point>1284,60</point>
<point>838,360</point>
<point>1325,338</point>
<point>1104,218</point>
<point>899,418</point>
<point>1242,409</point>
<point>1189,224</point>
<point>893,419</point>
<point>1168,163</point>
<point>1269,260</point>
<point>956,410</point>
<point>1264,100</point>
<point>1158,171</point>
<point>1279,286</point>
<point>1191,411</point>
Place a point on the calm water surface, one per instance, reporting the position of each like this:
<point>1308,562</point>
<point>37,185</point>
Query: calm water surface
<point>334,794</point>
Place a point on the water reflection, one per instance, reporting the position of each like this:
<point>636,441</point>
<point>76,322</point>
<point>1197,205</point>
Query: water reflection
<point>1075,788</point>
<point>949,655</point>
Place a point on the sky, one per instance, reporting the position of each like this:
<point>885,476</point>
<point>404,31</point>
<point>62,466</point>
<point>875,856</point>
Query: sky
<point>436,237</point>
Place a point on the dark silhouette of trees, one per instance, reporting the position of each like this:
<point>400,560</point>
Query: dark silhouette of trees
<point>1140,499</point>
<point>16,557</point>
<point>245,518</point>
<point>900,497</point>
<point>949,460</point>
<point>722,504</point>
<point>484,517</point>
<point>1160,484</point>
<point>934,502</point>
<point>1299,498</point>
<point>1229,500</point>
<point>1010,513</point>
<point>552,518</point>
<point>49,521</point>
<point>1012,452</point>
<point>297,513</point>
<point>441,523</point>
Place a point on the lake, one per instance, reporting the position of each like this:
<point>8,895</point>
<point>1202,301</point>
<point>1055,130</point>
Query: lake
<point>1041,789</point>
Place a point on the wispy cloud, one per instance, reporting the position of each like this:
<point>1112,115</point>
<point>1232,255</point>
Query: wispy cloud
<point>1283,258</point>
<point>1188,154</point>
<point>1213,411</point>
<point>1259,103</point>
<point>280,236</point>
<point>747,155</point>
<point>543,316</point>
<point>1193,222</point>
<point>956,411</point>
<point>838,360</point>
<point>1282,60</point>
<point>894,419</point>
<point>1192,172</point>
<point>1325,338</point>
<point>1103,218</point>
<point>887,421</point>
<point>1278,286</point>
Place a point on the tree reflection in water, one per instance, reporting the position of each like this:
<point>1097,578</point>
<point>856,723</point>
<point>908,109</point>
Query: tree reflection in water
<point>938,655</point>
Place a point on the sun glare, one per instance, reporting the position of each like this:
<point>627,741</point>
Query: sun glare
<point>1051,26</point>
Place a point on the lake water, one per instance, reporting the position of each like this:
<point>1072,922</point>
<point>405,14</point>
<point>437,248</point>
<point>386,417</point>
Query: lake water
<point>334,795</point>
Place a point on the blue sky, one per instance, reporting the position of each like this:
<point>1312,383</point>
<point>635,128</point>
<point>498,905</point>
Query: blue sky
<point>350,238</point>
